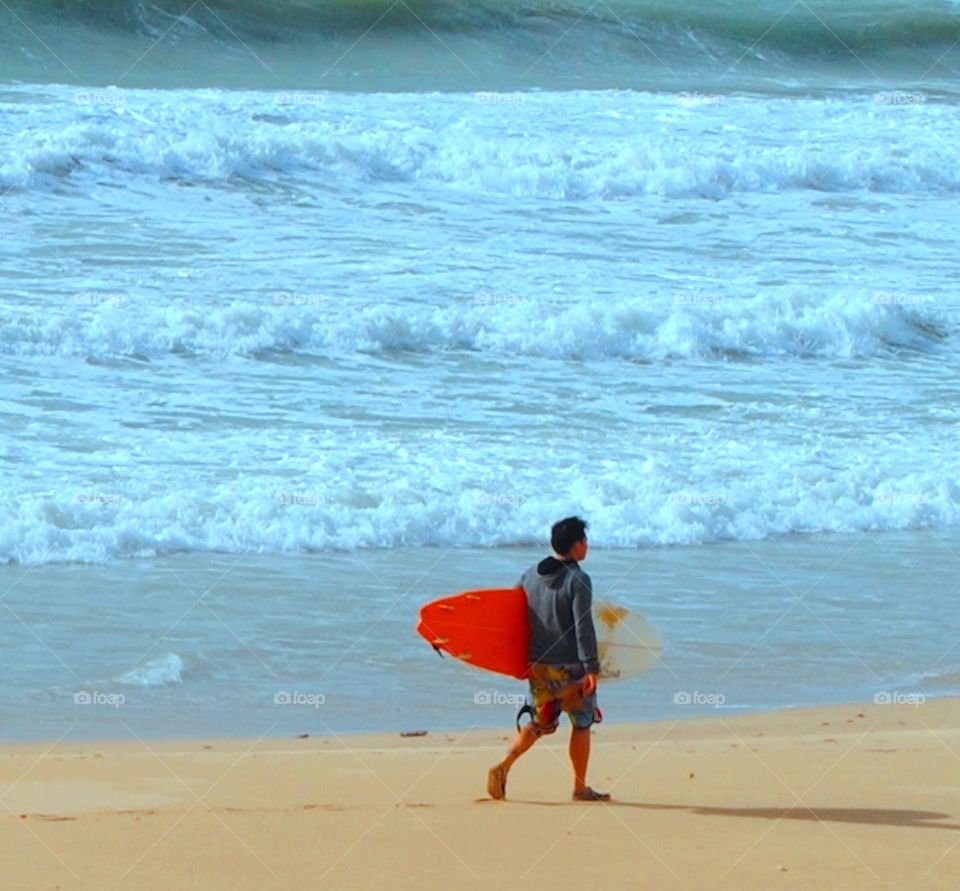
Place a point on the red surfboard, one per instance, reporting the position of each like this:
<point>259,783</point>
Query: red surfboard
<point>489,629</point>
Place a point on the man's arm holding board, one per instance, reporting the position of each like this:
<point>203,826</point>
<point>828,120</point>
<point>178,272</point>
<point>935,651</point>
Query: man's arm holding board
<point>587,649</point>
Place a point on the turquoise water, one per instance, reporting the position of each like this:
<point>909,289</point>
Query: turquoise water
<point>340,280</point>
<point>370,45</point>
<point>227,645</point>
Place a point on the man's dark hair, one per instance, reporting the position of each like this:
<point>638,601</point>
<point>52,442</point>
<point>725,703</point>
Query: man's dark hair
<point>565,534</point>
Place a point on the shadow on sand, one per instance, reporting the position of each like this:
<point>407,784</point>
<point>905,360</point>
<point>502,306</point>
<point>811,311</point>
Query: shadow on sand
<point>865,816</point>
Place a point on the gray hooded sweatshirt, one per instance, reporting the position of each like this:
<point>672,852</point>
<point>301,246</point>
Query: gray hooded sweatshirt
<point>559,601</point>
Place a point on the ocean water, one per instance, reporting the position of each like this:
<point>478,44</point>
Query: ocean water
<point>292,286</point>
<point>227,645</point>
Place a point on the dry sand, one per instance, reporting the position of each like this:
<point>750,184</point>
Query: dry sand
<point>846,797</point>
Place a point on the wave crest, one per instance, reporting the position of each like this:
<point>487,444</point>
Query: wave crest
<point>649,329</point>
<point>473,148</point>
<point>834,26</point>
<point>618,43</point>
<point>628,507</point>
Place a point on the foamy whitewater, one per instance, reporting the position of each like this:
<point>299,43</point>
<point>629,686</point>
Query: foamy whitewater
<point>348,277</point>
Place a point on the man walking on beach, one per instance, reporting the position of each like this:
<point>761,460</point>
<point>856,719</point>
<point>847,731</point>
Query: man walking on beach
<point>564,665</point>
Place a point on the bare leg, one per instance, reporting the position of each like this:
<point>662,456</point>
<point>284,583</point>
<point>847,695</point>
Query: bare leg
<point>579,757</point>
<point>524,739</point>
<point>497,776</point>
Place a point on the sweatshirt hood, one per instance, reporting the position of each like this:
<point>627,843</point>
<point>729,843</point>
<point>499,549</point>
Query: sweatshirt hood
<point>553,570</point>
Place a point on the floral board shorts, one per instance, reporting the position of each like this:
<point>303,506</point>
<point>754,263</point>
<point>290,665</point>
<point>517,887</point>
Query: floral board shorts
<point>555,689</point>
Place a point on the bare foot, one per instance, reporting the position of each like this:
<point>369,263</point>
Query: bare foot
<point>497,782</point>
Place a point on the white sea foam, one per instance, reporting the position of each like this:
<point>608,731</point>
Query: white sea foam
<point>457,506</point>
<point>660,327</point>
<point>675,148</point>
<point>156,672</point>
<point>172,393</point>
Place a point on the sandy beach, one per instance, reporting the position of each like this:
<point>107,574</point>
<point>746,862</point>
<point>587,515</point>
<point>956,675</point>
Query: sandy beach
<point>844,797</point>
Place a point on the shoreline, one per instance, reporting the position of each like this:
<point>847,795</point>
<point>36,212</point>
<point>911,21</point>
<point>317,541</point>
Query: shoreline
<point>380,739</point>
<point>232,647</point>
<point>406,735</point>
<point>732,802</point>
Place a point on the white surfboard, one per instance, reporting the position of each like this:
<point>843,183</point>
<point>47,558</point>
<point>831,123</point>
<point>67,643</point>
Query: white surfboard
<point>629,645</point>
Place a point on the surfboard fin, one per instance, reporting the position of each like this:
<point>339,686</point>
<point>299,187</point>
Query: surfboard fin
<point>527,709</point>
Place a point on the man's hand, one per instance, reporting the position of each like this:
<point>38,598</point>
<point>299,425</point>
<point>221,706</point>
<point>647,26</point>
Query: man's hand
<point>590,684</point>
